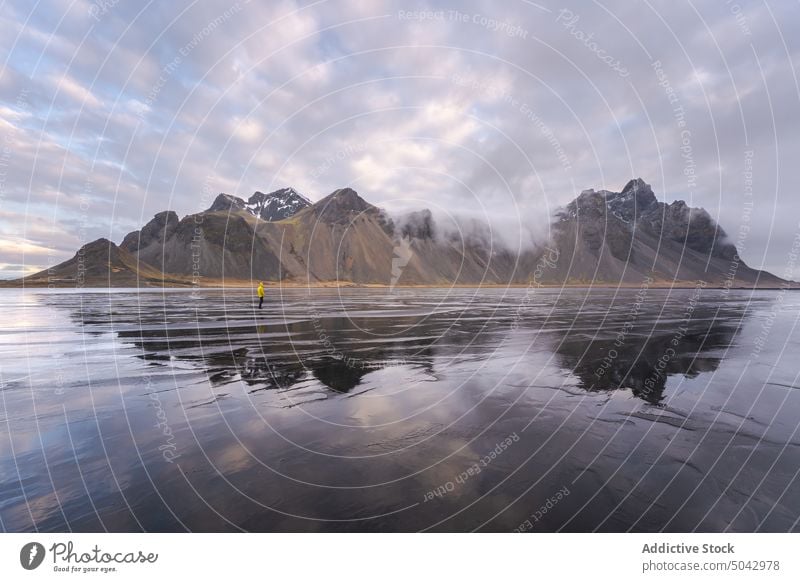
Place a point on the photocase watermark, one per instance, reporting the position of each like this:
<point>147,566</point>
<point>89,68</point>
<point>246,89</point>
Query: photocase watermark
<point>547,506</point>
<point>84,224</point>
<point>777,305</point>
<point>490,24</point>
<point>99,8</point>
<point>659,370</point>
<point>521,107</point>
<point>169,447</point>
<point>744,222</point>
<point>177,60</point>
<point>67,559</point>
<point>31,555</point>
<point>195,245</point>
<point>336,354</point>
<point>402,252</point>
<point>738,14</point>
<point>473,470</point>
<point>548,260</point>
<point>627,327</point>
<point>679,114</point>
<point>10,138</point>
<point>569,20</point>
<point>336,158</point>
<point>59,381</point>
<point>196,248</point>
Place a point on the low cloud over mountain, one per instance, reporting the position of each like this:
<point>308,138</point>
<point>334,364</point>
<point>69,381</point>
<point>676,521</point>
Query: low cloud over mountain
<point>599,238</point>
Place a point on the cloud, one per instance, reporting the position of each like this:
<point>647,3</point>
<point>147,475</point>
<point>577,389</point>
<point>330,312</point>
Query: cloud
<point>132,112</point>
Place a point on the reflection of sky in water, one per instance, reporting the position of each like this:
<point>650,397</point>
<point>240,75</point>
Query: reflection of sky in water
<point>273,428</point>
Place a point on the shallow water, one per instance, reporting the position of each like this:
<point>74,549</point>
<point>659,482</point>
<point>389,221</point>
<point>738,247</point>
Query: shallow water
<point>359,409</point>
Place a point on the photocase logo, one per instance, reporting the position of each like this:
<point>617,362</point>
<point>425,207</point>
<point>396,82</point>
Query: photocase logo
<point>31,555</point>
<point>402,254</point>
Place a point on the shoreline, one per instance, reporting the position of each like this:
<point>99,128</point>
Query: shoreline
<point>237,284</point>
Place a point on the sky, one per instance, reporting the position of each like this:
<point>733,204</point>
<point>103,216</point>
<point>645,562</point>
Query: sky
<point>114,110</point>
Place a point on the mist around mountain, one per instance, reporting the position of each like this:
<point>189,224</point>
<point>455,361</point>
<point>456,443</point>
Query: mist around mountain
<point>600,238</point>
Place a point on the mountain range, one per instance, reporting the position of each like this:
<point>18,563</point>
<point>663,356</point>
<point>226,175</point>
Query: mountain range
<point>600,238</point>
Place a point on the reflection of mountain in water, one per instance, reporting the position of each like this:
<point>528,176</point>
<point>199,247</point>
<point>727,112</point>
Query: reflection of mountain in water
<point>605,342</point>
<point>232,384</point>
<point>253,355</point>
<point>231,345</point>
<point>639,353</point>
<point>337,374</point>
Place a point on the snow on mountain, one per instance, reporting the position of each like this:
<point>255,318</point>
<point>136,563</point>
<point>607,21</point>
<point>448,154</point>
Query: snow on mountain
<point>271,207</point>
<point>277,205</point>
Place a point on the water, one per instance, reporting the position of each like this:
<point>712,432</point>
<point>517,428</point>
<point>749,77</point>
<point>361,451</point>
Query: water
<point>360,409</point>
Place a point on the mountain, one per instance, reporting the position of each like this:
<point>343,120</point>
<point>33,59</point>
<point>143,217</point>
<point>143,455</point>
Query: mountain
<point>625,236</point>
<point>601,237</point>
<point>277,205</point>
<point>101,263</point>
<point>157,231</point>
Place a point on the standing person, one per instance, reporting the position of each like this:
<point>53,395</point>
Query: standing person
<point>260,292</point>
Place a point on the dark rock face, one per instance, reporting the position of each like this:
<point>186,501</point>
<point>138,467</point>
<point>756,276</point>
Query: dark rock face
<point>277,205</point>
<point>624,236</point>
<point>640,194</point>
<point>693,227</point>
<point>94,260</point>
<point>102,247</point>
<point>214,245</point>
<point>99,263</point>
<point>159,229</point>
<point>342,206</point>
<point>636,208</point>
<point>271,207</point>
<point>419,224</point>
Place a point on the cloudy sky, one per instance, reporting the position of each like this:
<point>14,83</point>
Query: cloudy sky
<point>113,110</point>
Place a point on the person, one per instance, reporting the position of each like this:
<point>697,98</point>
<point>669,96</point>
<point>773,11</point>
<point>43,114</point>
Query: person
<point>260,291</point>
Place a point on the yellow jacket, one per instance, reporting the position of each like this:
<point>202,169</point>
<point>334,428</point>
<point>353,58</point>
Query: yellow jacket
<point>260,290</point>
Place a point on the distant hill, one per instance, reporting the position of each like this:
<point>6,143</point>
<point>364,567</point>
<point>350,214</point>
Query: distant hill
<point>100,263</point>
<point>603,238</point>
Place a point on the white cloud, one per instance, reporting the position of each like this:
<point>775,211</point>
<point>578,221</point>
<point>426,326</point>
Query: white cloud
<point>275,91</point>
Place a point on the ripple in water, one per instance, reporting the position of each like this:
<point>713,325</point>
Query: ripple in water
<point>361,409</point>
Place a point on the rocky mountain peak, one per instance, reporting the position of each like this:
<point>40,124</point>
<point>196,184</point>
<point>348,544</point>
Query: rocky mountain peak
<point>589,203</point>
<point>635,199</point>
<point>616,217</point>
<point>640,192</point>
<point>277,205</point>
<point>101,244</point>
<point>342,206</point>
<point>159,229</point>
<point>637,185</point>
<point>166,217</point>
<point>604,237</point>
<point>348,199</point>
